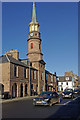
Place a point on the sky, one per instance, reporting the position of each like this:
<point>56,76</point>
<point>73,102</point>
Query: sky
<point>58,28</point>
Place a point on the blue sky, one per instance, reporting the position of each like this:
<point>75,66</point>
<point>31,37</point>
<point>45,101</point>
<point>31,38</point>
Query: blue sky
<point>58,28</point>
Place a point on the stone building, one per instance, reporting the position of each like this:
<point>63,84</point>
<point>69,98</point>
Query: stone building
<point>21,77</point>
<point>17,74</point>
<point>69,80</point>
<point>50,81</point>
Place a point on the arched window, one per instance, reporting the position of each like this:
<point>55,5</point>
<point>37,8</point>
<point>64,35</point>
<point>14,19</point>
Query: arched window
<point>31,45</point>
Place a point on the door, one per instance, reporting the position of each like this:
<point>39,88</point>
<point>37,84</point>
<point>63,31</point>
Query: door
<point>21,90</point>
<point>26,89</point>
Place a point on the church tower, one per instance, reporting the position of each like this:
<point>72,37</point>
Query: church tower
<point>34,51</point>
<point>34,40</point>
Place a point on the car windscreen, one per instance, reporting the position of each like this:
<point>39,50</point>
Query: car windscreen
<point>76,90</point>
<point>45,94</point>
<point>68,90</point>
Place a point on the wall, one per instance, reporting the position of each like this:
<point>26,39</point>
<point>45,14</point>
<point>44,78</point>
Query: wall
<point>5,76</point>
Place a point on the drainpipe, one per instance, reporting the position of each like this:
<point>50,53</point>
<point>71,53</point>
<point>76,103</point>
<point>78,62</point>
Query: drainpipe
<point>44,80</point>
<point>29,79</point>
<point>38,83</point>
<point>11,91</point>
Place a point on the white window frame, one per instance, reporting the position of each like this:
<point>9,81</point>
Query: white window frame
<point>17,71</point>
<point>26,73</point>
<point>67,78</point>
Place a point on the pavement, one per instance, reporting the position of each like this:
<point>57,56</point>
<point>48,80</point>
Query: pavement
<point>16,99</point>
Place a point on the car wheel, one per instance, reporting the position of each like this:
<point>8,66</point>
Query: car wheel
<point>50,103</point>
<point>34,104</point>
<point>72,97</point>
<point>59,100</point>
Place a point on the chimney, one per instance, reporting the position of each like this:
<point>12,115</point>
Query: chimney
<point>13,53</point>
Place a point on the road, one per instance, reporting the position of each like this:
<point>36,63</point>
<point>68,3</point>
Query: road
<point>68,109</point>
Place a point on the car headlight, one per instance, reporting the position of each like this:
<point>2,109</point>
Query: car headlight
<point>33,99</point>
<point>46,99</point>
<point>70,94</point>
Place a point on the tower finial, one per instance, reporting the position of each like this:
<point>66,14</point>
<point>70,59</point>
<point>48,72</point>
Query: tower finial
<point>34,19</point>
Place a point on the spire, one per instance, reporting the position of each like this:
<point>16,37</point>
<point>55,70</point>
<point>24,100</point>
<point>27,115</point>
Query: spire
<point>34,19</point>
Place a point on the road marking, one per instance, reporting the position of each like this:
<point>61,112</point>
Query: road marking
<point>63,103</point>
<point>68,101</point>
<point>75,98</point>
<point>59,104</point>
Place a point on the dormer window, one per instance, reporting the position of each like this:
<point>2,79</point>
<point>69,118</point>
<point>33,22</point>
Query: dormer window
<point>67,78</point>
<point>31,45</point>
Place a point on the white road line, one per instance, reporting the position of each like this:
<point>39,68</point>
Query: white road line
<point>68,101</point>
<point>75,98</point>
<point>59,104</point>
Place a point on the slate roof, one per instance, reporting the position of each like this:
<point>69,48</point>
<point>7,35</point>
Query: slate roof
<point>63,79</point>
<point>42,61</point>
<point>3,59</point>
<point>8,58</point>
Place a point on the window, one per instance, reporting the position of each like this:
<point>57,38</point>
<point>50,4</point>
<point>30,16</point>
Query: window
<point>17,71</point>
<point>62,83</point>
<point>41,75</point>
<point>51,78</point>
<point>67,78</point>
<point>34,74</point>
<point>62,89</point>
<point>14,70</point>
<point>31,45</point>
<point>25,72</point>
<point>35,34</point>
<point>67,83</point>
<point>31,86</point>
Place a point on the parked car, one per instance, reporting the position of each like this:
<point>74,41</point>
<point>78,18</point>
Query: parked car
<point>76,91</point>
<point>2,96</point>
<point>68,93</point>
<point>6,95</point>
<point>47,98</point>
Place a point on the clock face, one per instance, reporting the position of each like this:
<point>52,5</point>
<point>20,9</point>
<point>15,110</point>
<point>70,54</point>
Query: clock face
<point>31,34</point>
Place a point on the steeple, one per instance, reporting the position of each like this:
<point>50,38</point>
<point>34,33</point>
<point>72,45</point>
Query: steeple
<point>34,25</point>
<point>34,40</point>
<point>34,19</point>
